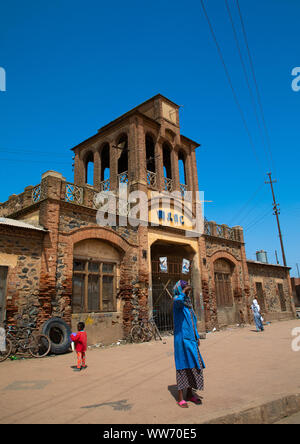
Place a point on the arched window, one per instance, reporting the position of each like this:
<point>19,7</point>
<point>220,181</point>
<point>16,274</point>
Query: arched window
<point>89,169</point>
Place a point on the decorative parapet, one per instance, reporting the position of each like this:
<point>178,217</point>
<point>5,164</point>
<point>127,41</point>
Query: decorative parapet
<point>222,231</point>
<point>74,194</point>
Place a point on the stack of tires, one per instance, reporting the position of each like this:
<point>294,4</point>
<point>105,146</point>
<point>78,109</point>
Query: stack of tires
<point>59,333</point>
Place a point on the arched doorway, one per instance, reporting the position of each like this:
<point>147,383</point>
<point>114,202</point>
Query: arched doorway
<point>223,282</point>
<point>170,262</point>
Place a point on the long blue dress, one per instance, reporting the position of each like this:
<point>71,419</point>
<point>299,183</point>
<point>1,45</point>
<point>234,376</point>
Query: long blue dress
<point>188,360</point>
<point>257,318</point>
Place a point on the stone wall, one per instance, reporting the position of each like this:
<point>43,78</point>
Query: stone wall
<point>213,248</point>
<point>20,251</point>
<point>270,276</point>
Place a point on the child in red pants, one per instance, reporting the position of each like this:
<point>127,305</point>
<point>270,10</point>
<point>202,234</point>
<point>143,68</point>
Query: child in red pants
<point>80,340</point>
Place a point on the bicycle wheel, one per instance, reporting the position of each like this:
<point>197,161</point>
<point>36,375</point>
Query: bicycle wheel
<point>137,334</point>
<point>148,334</point>
<point>4,354</point>
<point>39,346</point>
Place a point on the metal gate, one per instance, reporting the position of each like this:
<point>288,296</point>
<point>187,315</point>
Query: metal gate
<point>162,291</point>
<point>3,277</point>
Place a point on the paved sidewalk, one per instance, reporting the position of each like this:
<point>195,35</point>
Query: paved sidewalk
<point>135,383</point>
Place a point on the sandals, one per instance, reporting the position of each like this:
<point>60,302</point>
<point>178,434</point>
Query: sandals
<point>183,404</point>
<point>195,400</point>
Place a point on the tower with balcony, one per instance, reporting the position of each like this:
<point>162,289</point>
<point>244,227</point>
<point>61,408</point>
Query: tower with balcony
<point>143,148</point>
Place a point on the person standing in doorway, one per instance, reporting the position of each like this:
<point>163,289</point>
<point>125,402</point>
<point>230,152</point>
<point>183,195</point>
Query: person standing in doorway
<point>188,360</point>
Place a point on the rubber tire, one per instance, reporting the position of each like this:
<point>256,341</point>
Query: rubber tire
<point>63,329</point>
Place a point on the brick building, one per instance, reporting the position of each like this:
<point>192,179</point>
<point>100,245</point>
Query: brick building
<point>56,260</point>
<point>296,290</point>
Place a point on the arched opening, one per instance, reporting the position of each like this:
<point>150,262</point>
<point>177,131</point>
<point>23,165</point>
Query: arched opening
<point>95,274</point>
<point>168,184</point>
<point>223,283</point>
<point>150,161</point>
<point>150,153</point>
<point>89,168</point>
<point>170,262</point>
<point>105,166</point>
<point>181,165</point>
<point>122,146</point>
<point>167,161</point>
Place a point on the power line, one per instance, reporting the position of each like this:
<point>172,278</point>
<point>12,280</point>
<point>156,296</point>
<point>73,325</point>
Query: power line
<point>39,153</point>
<point>240,212</point>
<point>255,82</point>
<point>252,224</point>
<point>34,161</point>
<point>246,77</point>
<point>230,82</point>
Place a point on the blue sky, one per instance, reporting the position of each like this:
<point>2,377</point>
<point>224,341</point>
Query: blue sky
<point>74,66</point>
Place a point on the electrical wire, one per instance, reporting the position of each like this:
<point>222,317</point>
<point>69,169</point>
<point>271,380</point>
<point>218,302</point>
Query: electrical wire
<point>240,212</point>
<point>39,153</point>
<point>247,79</point>
<point>255,83</point>
<point>252,224</point>
<point>34,161</point>
<point>231,84</point>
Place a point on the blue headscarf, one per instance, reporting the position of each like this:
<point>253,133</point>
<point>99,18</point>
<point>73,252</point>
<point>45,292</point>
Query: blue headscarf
<point>178,288</point>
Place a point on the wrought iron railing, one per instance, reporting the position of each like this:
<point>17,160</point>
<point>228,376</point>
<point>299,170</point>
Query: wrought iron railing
<point>222,231</point>
<point>123,177</point>
<point>74,194</point>
<point>168,184</point>
<point>105,185</point>
<point>38,192</point>
<point>183,188</point>
<point>151,179</point>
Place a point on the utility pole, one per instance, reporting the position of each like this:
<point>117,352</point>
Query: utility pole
<point>277,261</point>
<point>298,271</point>
<point>276,213</point>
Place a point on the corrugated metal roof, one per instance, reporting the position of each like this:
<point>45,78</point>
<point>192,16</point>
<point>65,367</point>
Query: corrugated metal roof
<point>19,224</point>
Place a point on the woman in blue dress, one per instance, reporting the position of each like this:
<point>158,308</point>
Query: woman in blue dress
<point>188,360</point>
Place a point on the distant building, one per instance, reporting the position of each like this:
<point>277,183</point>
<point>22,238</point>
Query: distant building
<point>296,290</point>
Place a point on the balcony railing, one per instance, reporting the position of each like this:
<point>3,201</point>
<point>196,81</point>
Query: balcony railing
<point>151,179</point>
<point>123,177</point>
<point>105,185</point>
<point>168,184</point>
<point>74,194</point>
<point>183,188</point>
<point>222,231</point>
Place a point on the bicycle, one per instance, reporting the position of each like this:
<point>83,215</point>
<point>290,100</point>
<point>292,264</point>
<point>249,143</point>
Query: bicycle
<point>25,339</point>
<point>138,332</point>
<point>145,331</point>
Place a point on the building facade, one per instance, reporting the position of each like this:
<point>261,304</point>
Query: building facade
<point>58,259</point>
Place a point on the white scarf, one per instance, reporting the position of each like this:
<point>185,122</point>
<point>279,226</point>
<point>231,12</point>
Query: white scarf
<point>255,305</point>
